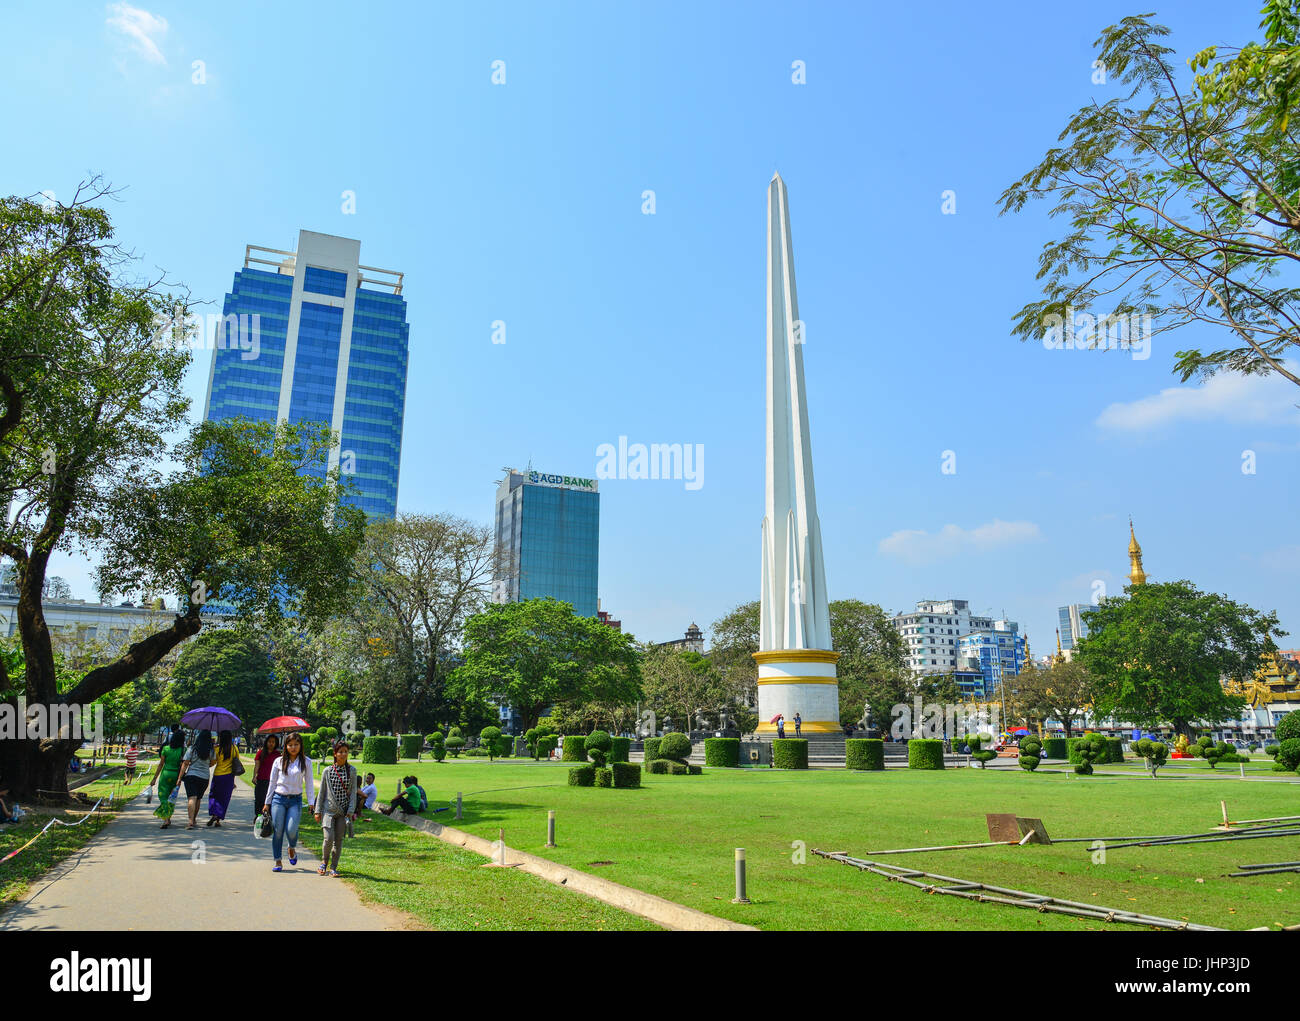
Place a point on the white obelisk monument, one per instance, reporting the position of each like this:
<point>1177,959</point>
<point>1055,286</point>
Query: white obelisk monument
<point>796,667</point>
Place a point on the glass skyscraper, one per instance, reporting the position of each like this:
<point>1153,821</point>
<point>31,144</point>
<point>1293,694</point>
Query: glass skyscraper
<point>1073,627</point>
<point>548,538</point>
<point>318,337</point>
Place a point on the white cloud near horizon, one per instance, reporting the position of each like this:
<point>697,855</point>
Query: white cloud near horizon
<point>1227,397</point>
<point>917,546</point>
<point>144,30</point>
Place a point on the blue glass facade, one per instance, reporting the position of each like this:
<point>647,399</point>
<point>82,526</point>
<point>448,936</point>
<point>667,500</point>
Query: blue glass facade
<point>1072,626</point>
<point>250,383</point>
<point>549,537</point>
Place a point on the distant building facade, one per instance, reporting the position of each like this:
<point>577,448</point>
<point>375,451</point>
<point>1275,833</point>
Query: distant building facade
<point>1071,624</point>
<point>692,642</point>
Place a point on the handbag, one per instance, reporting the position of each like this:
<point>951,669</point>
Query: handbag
<point>267,826</point>
<point>238,768</point>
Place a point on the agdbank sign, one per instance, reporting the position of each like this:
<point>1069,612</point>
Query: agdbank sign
<point>562,481</point>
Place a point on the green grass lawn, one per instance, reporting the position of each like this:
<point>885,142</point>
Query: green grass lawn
<point>675,837</point>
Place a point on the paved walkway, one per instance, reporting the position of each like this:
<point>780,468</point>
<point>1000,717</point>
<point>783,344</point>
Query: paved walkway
<point>133,875</point>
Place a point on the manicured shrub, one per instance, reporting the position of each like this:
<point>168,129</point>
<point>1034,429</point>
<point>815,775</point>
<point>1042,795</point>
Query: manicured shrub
<point>619,748</point>
<point>489,739</point>
<point>626,774</point>
<point>547,744</point>
<point>1030,753</point>
<point>1056,748</point>
<point>1154,752</point>
<point>455,743</point>
<point>675,747</point>
<point>604,776</point>
<point>325,738</point>
<point>1116,748</point>
<point>582,776</point>
<point>722,751</point>
<point>535,739</point>
<point>651,747</point>
<point>1111,749</point>
<point>382,751</point>
<point>597,745</point>
<point>694,770</point>
<point>574,749</point>
<point>439,752</point>
<point>1288,754</point>
<point>477,753</point>
<point>355,740</point>
<point>980,755</point>
<point>310,742</point>
<point>790,753</point>
<point>924,754</point>
<point>677,768</point>
<point>504,746</point>
<point>411,745</point>
<point>435,739</point>
<point>1288,726</point>
<point>1089,749</point>
<point>864,753</point>
<point>657,766</point>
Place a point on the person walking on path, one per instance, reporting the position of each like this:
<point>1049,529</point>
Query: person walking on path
<point>798,723</point>
<point>336,806</point>
<point>132,760</point>
<point>780,727</point>
<point>167,775</point>
<point>196,771</point>
<point>263,761</point>
<point>223,778</point>
<point>290,779</point>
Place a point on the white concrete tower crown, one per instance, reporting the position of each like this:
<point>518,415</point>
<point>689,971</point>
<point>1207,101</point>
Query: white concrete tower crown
<point>796,664</point>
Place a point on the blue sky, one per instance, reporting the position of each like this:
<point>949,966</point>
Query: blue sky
<point>523,202</point>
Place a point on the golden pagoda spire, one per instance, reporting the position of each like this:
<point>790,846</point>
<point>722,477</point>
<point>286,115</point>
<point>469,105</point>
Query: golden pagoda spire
<point>1060,654</point>
<point>1136,576</point>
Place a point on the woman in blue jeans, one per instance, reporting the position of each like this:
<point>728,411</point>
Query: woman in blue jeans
<point>290,779</point>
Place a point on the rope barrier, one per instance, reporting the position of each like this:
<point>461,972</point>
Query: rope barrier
<point>52,822</point>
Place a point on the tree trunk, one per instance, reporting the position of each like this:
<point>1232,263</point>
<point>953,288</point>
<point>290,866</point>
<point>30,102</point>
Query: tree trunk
<point>36,770</point>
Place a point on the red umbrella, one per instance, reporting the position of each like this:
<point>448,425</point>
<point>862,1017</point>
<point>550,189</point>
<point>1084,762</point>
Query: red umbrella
<point>775,718</point>
<point>283,724</point>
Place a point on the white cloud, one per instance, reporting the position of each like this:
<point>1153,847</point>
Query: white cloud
<point>917,546</point>
<point>1240,400</point>
<point>144,30</point>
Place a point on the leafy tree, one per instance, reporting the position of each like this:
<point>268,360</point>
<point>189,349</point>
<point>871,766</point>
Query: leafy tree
<point>1182,201</point>
<point>538,653</point>
<point>1154,752</point>
<point>1062,692</point>
<point>224,668</point>
<point>91,392</point>
<point>1158,654</point>
<point>679,682</point>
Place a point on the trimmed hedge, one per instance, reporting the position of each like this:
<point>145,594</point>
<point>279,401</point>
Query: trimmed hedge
<point>790,753</point>
<point>411,745</point>
<point>694,770</point>
<point>677,768</point>
<point>675,746</point>
<point>575,749</point>
<point>925,754</point>
<point>1116,745</point>
<point>722,751</point>
<point>382,751</point>
<point>604,776</point>
<point>597,745</point>
<point>1056,748</point>
<point>651,748</point>
<point>582,776</point>
<point>1114,751</point>
<point>619,748</point>
<point>626,774</point>
<point>864,753</point>
<point>657,766</point>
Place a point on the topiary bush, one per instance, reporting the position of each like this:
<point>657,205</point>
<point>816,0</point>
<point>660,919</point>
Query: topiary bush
<point>1031,750</point>
<point>411,745</point>
<point>1088,750</point>
<point>657,766</point>
<point>547,744</point>
<point>626,774</point>
<point>864,753</point>
<point>651,747</point>
<point>597,745</point>
<point>504,746</point>
<point>455,743</point>
<point>675,747</point>
<point>382,751</point>
<point>1288,754</point>
<point>582,776</point>
<point>925,753</point>
<point>439,752</point>
<point>574,749</point>
<point>677,768</point>
<point>604,776</point>
<point>535,738</point>
<point>1154,752</point>
<point>1056,748</point>
<point>694,770</point>
<point>1115,746</point>
<point>722,751</point>
<point>980,755</point>
<point>1288,727</point>
<point>489,739</point>
<point>619,748</point>
<point>790,753</point>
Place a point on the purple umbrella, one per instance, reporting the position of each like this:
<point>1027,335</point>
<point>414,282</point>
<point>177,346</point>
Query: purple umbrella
<point>211,718</point>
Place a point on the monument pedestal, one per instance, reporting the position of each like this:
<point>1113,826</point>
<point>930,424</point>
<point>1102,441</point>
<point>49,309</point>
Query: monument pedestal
<point>799,681</point>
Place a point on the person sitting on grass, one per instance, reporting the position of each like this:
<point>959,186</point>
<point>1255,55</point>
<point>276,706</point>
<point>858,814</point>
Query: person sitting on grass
<point>367,796</point>
<point>407,800</point>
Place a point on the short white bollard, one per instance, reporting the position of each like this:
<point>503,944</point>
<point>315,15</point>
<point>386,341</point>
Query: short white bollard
<point>740,897</point>
<point>550,828</point>
<point>458,806</point>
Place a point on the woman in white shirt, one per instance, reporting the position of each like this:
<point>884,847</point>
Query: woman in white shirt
<point>290,779</point>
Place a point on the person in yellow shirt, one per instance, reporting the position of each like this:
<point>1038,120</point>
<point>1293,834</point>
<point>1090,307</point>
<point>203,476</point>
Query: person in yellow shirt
<point>223,778</point>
